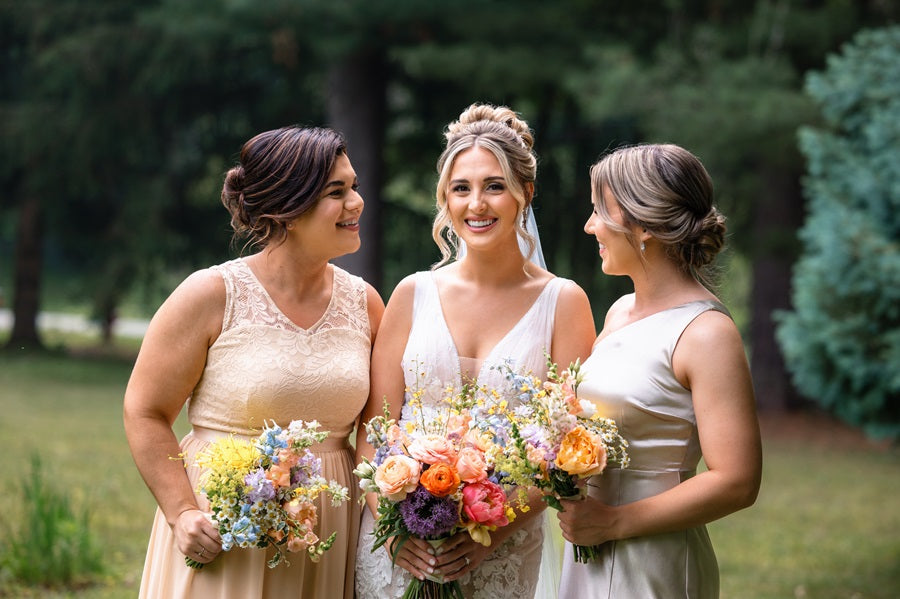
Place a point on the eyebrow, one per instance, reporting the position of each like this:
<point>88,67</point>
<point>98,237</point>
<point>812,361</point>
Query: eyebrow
<point>494,178</point>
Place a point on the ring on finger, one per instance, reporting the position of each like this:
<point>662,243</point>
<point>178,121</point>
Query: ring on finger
<point>201,552</point>
<point>467,560</point>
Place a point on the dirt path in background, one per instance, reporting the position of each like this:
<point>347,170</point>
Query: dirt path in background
<point>813,428</point>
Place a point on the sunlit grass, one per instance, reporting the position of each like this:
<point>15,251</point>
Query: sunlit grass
<point>826,525</point>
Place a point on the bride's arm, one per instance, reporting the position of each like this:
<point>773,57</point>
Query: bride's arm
<point>387,383</point>
<point>386,380</point>
<point>709,360</point>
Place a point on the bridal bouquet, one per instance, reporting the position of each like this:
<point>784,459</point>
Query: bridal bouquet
<point>435,477</point>
<point>262,492</point>
<point>556,441</point>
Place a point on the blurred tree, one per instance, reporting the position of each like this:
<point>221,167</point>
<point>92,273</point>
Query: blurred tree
<point>724,81</point>
<point>842,340</point>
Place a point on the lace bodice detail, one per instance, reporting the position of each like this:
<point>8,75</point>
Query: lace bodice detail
<point>263,366</point>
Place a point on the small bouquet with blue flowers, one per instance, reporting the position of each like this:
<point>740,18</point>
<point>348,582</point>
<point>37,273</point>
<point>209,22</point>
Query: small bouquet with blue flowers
<point>262,492</point>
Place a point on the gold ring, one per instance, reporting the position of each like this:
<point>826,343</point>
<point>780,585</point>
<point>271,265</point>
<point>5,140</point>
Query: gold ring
<point>467,560</point>
<point>201,552</point>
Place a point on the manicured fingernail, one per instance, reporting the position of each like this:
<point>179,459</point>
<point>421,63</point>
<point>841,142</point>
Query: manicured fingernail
<point>431,562</point>
<point>430,551</point>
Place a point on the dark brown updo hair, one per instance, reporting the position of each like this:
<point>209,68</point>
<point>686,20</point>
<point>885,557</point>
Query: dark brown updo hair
<point>280,175</point>
<point>507,136</point>
<point>665,190</point>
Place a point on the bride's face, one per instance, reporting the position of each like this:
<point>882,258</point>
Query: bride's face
<point>481,206</point>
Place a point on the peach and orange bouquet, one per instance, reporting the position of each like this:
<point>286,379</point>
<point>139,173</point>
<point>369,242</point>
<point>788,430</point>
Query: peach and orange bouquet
<point>434,476</point>
<point>555,441</point>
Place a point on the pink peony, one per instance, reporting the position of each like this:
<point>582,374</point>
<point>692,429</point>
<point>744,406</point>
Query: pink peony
<point>484,503</point>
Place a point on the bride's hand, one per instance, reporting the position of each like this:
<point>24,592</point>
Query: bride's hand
<point>416,556</point>
<point>459,555</point>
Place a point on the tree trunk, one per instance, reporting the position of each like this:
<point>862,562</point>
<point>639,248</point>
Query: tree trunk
<point>356,107</point>
<point>778,216</point>
<point>27,269</point>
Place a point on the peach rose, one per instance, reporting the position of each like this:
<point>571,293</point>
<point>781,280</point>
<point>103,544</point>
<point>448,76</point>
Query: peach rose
<point>458,425</point>
<point>470,465</point>
<point>440,480</point>
<point>395,435</point>
<point>581,453</point>
<point>397,476</point>
<point>433,449</point>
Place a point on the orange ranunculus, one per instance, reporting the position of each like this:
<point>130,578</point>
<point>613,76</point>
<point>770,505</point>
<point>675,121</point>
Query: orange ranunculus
<point>440,480</point>
<point>581,453</point>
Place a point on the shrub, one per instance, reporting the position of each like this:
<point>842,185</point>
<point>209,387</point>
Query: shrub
<point>52,546</point>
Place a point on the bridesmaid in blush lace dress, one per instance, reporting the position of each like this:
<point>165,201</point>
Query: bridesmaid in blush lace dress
<point>458,322</point>
<point>669,367</point>
<point>279,335</point>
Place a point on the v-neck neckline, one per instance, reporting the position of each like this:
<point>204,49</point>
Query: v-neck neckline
<point>642,319</point>
<point>311,329</point>
<point>490,354</point>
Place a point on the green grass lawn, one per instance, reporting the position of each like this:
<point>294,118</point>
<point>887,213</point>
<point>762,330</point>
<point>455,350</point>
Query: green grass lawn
<point>826,525</point>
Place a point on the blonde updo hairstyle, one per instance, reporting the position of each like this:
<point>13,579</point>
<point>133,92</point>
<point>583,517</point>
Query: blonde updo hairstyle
<point>500,131</point>
<point>280,175</point>
<point>665,190</point>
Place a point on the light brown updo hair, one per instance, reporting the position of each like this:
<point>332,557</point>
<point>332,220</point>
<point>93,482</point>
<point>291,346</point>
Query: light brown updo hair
<point>503,133</point>
<point>280,175</point>
<point>665,190</point>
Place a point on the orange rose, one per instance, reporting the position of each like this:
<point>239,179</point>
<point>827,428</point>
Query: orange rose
<point>440,480</point>
<point>397,476</point>
<point>581,452</point>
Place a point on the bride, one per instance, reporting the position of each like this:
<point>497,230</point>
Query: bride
<point>459,321</point>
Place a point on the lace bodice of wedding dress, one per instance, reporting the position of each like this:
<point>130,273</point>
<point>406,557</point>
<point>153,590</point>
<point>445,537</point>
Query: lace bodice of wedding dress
<point>430,363</point>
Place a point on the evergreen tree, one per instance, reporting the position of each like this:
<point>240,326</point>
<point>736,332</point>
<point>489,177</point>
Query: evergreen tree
<point>842,340</point>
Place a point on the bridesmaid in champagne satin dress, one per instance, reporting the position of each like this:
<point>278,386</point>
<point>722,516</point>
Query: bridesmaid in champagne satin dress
<point>670,368</point>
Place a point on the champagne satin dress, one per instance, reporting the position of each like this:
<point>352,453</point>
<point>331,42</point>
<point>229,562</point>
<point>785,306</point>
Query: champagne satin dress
<point>629,376</point>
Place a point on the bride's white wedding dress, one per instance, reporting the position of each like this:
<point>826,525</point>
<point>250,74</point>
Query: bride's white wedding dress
<point>431,362</point>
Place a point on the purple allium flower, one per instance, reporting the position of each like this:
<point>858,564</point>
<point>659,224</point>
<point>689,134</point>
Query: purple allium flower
<point>427,516</point>
<point>260,487</point>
